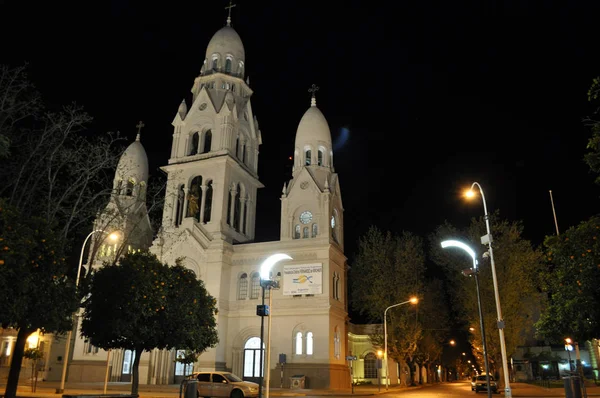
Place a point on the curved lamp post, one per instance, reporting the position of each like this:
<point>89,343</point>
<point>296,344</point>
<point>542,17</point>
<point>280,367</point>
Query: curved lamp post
<point>474,271</point>
<point>267,283</point>
<point>487,240</point>
<point>413,300</point>
<point>114,237</point>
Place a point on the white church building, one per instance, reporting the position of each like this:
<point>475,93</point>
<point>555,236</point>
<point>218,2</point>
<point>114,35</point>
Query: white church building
<point>209,220</point>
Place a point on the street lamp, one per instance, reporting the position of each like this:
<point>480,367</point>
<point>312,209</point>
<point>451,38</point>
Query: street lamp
<point>569,348</point>
<point>113,237</point>
<point>379,354</point>
<point>413,300</point>
<point>487,240</point>
<point>266,283</point>
<point>474,271</point>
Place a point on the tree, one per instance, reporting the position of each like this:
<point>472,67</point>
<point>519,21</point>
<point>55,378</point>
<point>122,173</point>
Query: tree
<point>518,266</point>
<point>34,355</point>
<point>571,280</point>
<point>34,288</point>
<point>388,270</point>
<point>592,157</point>
<point>141,304</point>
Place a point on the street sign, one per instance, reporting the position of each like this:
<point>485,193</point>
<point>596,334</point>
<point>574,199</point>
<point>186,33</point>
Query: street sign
<point>351,358</point>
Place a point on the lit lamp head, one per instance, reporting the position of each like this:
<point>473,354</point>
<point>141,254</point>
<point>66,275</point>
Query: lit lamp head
<point>114,236</point>
<point>379,353</point>
<point>452,342</point>
<point>414,300</point>
<point>265,267</point>
<point>469,194</point>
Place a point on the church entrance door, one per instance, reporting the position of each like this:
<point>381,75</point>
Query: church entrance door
<point>253,368</point>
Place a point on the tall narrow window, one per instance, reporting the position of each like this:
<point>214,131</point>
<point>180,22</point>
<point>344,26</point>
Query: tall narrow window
<point>320,157</point>
<point>179,207</point>
<point>119,187</point>
<point>305,232</point>
<point>298,343</point>
<point>307,155</point>
<point>229,208</point>
<point>207,141</point>
<point>245,212</point>
<point>309,343</point>
<point>237,210</point>
<point>255,286</point>
<point>243,287</point>
<point>314,230</point>
<point>243,153</point>
<point>336,343</point>
<point>228,65</point>
<point>297,231</point>
<point>194,144</point>
<point>208,201</point>
<point>237,147</point>
<point>215,64</point>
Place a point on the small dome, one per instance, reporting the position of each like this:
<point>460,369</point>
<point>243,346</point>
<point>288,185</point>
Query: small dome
<point>313,129</point>
<point>226,41</point>
<point>133,163</point>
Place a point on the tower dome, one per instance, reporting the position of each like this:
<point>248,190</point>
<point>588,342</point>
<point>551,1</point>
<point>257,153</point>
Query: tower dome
<point>225,44</point>
<point>313,129</point>
<point>133,163</point>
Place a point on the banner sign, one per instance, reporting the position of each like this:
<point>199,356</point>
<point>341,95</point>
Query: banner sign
<point>302,279</point>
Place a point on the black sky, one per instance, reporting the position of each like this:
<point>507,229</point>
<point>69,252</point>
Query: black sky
<point>433,94</point>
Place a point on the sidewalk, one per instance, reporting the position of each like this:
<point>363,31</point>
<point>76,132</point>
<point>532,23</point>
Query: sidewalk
<point>48,390</point>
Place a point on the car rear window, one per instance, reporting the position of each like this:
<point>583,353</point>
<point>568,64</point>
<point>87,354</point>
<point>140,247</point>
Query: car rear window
<point>483,378</point>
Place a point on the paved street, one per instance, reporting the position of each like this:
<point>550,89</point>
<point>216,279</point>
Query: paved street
<point>442,390</point>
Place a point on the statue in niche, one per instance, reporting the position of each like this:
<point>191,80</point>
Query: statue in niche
<point>194,200</point>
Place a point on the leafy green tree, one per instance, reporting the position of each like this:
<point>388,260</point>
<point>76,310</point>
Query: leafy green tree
<point>35,291</point>
<point>34,355</point>
<point>141,304</point>
<point>592,157</point>
<point>571,280</point>
<point>518,266</point>
<point>388,270</point>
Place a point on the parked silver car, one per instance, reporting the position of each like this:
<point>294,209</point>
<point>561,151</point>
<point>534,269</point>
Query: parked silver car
<point>479,383</point>
<point>223,384</point>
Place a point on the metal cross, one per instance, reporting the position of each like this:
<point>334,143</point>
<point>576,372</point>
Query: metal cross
<point>139,126</point>
<point>229,7</point>
<point>313,89</point>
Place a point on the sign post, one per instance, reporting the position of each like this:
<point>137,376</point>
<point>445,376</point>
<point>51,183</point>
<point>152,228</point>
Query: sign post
<point>351,358</point>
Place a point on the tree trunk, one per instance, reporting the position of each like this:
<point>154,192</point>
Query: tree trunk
<point>16,363</point>
<point>135,376</point>
<point>411,368</point>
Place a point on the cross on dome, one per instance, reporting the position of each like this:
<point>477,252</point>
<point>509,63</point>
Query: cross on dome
<point>229,7</point>
<point>139,127</point>
<point>313,89</point>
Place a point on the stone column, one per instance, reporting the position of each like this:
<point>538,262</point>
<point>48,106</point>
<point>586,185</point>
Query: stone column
<point>202,202</point>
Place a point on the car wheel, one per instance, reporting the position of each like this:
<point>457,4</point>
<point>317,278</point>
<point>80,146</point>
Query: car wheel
<point>237,394</point>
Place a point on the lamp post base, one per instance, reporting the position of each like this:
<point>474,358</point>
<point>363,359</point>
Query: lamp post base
<point>60,390</point>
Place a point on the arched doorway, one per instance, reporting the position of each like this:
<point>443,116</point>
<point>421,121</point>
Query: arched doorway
<point>252,355</point>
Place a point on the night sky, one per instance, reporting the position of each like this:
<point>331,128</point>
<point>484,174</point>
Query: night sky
<point>422,97</point>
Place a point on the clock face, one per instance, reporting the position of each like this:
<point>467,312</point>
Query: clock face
<point>332,221</point>
<point>306,217</point>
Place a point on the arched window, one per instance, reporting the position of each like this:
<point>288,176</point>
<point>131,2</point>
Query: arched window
<point>309,343</point>
<point>255,286</point>
<point>243,153</point>
<point>237,147</point>
<point>208,201</point>
<point>215,63</point>
<point>241,68</point>
<point>252,355</point>
<point>229,204</point>
<point>129,188</point>
<point>336,343</point>
<point>320,157</point>
<point>228,65</point>
<point>307,156</point>
<point>315,230</point>
<point>119,187</point>
<point>193,149</point>
<point>194,198</point>
<point>297,231</point>
<point>243,287</point>
<point>305,232</point>
<point>207,141</point>
<point>237,209</point>
<point>370,366</point>
<point>298,344</point>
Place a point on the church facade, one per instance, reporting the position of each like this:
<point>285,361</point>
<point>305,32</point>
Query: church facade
<point>208,222</point>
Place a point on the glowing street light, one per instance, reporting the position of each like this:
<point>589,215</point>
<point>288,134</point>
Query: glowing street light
<point>267,283</point>
<point>487,240</point>
<point>475,271</point>
<point>114,237</point>
<point>412,300</point>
